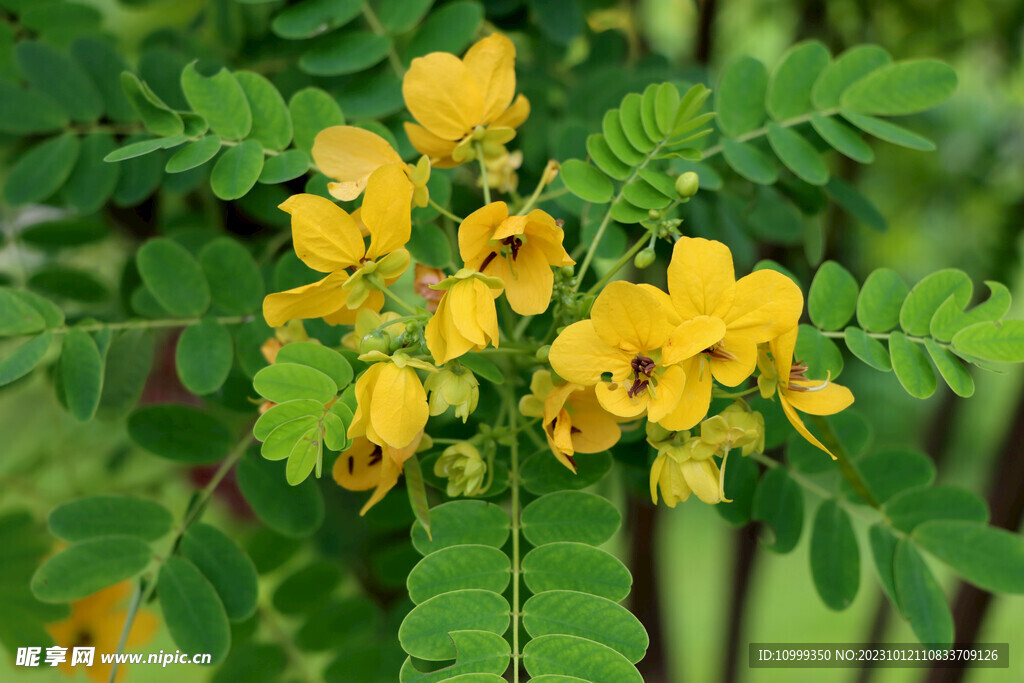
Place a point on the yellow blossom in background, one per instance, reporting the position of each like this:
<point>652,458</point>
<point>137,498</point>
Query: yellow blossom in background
<point>326,238</point>
<point>453,387</point>
<point>464,469</point>
<point>457,102</point>
<point>518,250</point>
<point>629,339</point>
<point>734,427</point>
<point>466,319</point>
<point>97,621</point>
<point>366,465</point>
<point>678,473</point>
<point>757,308</point>
<point>425,279</point>
<point>391,403</point>
<point>573,419</point>
<point>501,169</point>
<point>779,374</point>
<point>349,155</point>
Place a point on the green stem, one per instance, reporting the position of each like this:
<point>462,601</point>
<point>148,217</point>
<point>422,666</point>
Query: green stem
<point>378,28</point>
<point>618,264</point>
<point>885,336</point>
<point>483,172</point>
<point>445,212</point>
<point>718,393</point>
<point>795,121</point>
<point>554,194</point>
<point>142,324</point>
<point>846,468</point>
<point>395,298</point>
<point>514,486</point>
<point>546,177</point>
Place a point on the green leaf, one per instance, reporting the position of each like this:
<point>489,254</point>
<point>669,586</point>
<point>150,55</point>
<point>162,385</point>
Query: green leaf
<point>104,65</point>
<point>740,98</point>
<point>180,433</point>
<point>575,567</point>
<point>856,204</point>
<point>890,472</point>
<point>605,159</point>
<point>193,612</point>
<point>25,112</point>
<point>459,567</point>
<point>930,293</point>
<point>890,132</point>
<point>848,68</point>
<point>424,632</point>
<point>319,357</point>
<point>915,506</point>
<point>23,359</point>
<point>194,154</point>
<point>52,314</point>
<point>173,276</point>
<point>220,100</point>
<point>398,16</point>
<point>901,88</point>
<point>307,588</point>
<point>68,283</point>
<point>631,119</point>
<point>789,90</point>
<point>881,300</point>
<point>920,597</point>
<point>83,568</point>
<point>868,349</point>
<point>449,29</point>
<point>18,316</point>
<point>313,17</point>
<point>42,170</point>
<point>832,299</point>
<point>237,170</point>
<point>143,147</point>
<point>951,368</point>
<point>336,423</point>
<point>92,180</point>
<point>483,367</point>
<point>666,104</point>
<point>481,657</point>
<point>430,246</point>
<point>883,549</point>
<point>842,138</point>
<point>305,455</point>
<point>586,182</point>
<point>128,361</point>
<point>70,232</point>
<point>236,285</point>
<point>203,356</point>
<point>824,359</point>
<point>271,122</point>
<point>158,118</point>
<point>312,110</point>
<point>644,195</point>
<point>618,143</point>
<point>285,412</point>
<point>989,557</point>
<point>911,366</point>
<point>287,437</point>
<point>779,503</point>
<point>1001,341</point>
<point>284,167</point>
<point>950,318</point>
<point>750,162</point>
<point>350,53</point>
<point>81,369</point>
<point>57,75</point>
<point>376,93</point>
<point>225,565</point>
<point>286,381</point>
<point>574,516</point>
<point>542,473</point>
<point>101,516</point>
<point>562,655</point>
<point>797,154</point>
<point>462,522</point>
<point>294,511</point>
<point>835,557</point>
<point>586,616</point>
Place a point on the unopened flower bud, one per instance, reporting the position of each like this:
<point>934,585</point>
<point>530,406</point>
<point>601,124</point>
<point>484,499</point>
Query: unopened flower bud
<point>687,184</point>
<point>464,469</point>
<point>654,214</point>
<point>644,258</point>
<point>542,353</point>
<point>375,341</point>
<point>457,388</point>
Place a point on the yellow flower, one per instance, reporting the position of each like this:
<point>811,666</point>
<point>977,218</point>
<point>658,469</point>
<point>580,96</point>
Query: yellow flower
<point>501,169</point>
<point>97,621</point>
<point>677,471</point>
<point>630,340</point>
<point>797,393</point>
<point>329,240</point>
<point>574,421</point>
<point>466,319</point>
<point>391,404</point>
<point>350,155</point>
<point>759,307</point>
<point>518,250</point>
<point>366,465</point>
<point>464,469</point>
<point>734,427</point>
<point>457,102</point>
<point>367,323</point>
<point>454,386</point>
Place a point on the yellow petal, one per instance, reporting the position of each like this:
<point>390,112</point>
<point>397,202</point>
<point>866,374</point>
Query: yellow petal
<point>325,236</point>
<point>462,305</point>
<point>691,337</point>
<point>364,396</point>
<point>387,210</point>
<point>491,62</point>
<point>696,398</point>
<point>667,394</point>
<point>666,302</point>
<point>477,230</point>
<point>628,317</point>
<point>398,407</point>
<point>828,400</point>
<point>429,144</point>
<point>702,476</point>
<point>389,472</point>
<point>798,424</point>
<point>442,95</point>
<point>656,468</point>
<point>701,278</point>
<point>580,356</point>
<point>614,398</point>
<point>554,401</point>
<point>528,280</point>
<point>510,227</point>
<point>766,304</point>
<point>315,300</point>
<point>349,155</point>
<point>486,312</point>
<point>358,468</point>
<point>782,348</point>
<point>347,316</point>
<point>436,342</point>
<point>515,115</point>
<point>732,372</point>
<point>542,232</point>
<point>598,429</point>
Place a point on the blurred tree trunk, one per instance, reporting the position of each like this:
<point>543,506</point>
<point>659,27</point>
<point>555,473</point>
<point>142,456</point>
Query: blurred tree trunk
<point>646,596</point>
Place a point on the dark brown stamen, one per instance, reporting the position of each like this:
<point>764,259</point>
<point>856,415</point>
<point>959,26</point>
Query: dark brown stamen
<point>514,243</point>
<point>351,464</point>
<point>637,387</point>
<point>574,430</point>
<point>716,352</point>
<point>376,456</point>
<point>642,364</point>
<point>487,261</point>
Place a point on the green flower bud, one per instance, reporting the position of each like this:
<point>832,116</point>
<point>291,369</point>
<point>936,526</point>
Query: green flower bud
<point>654,214</point>
<point>464,469</point>
<point>542,353</point>
<point>453,387</point>
<point>687,184</point>
<point>375,341</point>
<point>644,258</point>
